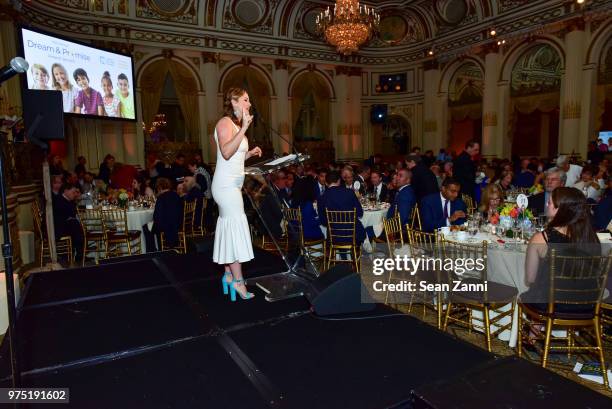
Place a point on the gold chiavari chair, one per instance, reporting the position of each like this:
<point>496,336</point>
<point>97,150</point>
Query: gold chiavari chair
<point>200,230</point>
<point>477,293</point>
<point>395,240</point>
<point>268,244</point>
<point>185,229</point>
<point>606,316</point>
<point>426,244</point>
<point>576,287</point>
<point>315,249</point>
<point>341,235</point>
<point>63,245</point>
<point>415,218</point>
<point>92,224</point>
<point>469,203</point>
<point>120,240</point>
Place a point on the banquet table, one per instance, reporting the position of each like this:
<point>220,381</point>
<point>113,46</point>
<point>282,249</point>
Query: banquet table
<point>136,219</point>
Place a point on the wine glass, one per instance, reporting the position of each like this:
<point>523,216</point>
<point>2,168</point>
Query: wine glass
<point>541,222</point>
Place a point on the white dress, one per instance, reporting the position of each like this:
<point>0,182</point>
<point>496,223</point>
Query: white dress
<point>232,236</point>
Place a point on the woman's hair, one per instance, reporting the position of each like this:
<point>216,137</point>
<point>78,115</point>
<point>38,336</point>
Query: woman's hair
<point>142,186</point>
<point>39,67</point>
<point>573,213</point>
<point>54,82</point>
<point>303,192</point>
<point>106,76</point>
<point>504,174</point>
<point>79,72</point>
<point>228,110</point>
<point>489,191</point>
<point>163,184</point>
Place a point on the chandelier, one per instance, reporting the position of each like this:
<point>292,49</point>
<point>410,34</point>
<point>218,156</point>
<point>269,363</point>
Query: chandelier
<point>348,25</point>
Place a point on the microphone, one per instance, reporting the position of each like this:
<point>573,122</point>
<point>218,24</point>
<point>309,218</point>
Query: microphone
<point>264,123</point>
<point>17,66</point>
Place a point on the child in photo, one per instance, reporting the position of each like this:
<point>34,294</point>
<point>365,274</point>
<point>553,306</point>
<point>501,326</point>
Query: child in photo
<point>112,104</point>
<point>88,100</point>
<point>40,76</point>
<point>61,82</point>
<point>127,102</point>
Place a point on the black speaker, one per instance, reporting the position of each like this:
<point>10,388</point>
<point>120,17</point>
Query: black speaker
<point>201,245</point>
<point>340,291</point>
<point>378,114</point>
<point>43,115</point>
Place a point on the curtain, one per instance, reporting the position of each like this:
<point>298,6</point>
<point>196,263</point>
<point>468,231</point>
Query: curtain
<point>543,102</point>
<point>151,87</point>
<point>187,92</point>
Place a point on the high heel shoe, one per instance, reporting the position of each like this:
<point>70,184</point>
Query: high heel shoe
<point>233,291</point>
<point>226,283</point>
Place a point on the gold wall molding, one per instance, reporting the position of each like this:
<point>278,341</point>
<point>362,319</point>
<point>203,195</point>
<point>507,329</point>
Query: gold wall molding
<point>430,125</point>
<point>489,119</point>
<point>571,110</point>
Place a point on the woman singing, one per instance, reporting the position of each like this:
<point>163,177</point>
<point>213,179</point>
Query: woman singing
<point>232,236</point>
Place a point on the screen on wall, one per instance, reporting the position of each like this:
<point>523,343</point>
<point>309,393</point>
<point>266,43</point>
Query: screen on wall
<point>605,136</point>
<point>94,82</point>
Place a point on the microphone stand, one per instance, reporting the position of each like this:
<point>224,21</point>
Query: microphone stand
<point>277,133</point>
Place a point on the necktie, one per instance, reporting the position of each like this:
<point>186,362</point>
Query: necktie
<point>446,209</point>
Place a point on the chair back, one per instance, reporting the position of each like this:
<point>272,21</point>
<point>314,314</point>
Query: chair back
<point>293,220</point>
<point>469,203</point>
<point>341,226</point>
<point>475,252</point>
<point>421,242</point>
<point>39,229</point>
<point>577,280</point>
<point>188,216</point>
<point>415,218</point>
<point>393,233</point>
<point>115,220</point>
<point>91,220</point>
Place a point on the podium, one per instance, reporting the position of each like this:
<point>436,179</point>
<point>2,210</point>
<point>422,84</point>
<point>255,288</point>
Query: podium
<point>296,280</point>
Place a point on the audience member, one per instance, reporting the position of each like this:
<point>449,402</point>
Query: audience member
<point>66,220</point>
<point>554,178</point>
<point>444,208</point>
<point>423,180</point>
<point>464,168</point>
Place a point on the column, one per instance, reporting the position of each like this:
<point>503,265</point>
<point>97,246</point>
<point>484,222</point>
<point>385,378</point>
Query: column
<point>283,107</point>
<point>503,147</point>
<point>340,122</point>
<point>489,102</point>
<point>570,137</point>
<point>431,114</point>
<point>356,148</point>
<point>10,91</point>
<point>210,108</point>
<point>203,138</point>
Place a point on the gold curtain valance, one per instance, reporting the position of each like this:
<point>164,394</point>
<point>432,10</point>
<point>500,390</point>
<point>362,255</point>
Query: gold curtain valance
<point>462,112</point>
<point>544,102</point>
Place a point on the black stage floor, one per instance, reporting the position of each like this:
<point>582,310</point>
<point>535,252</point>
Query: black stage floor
<point>159,333</point>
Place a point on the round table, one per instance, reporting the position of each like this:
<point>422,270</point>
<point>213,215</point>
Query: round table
<point>136,219</point>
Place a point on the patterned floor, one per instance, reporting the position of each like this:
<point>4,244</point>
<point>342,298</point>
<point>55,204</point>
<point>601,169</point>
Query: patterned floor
<point>558,363</point>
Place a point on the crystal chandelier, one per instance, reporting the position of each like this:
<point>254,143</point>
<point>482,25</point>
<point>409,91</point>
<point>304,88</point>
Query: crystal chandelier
<point>348,25</point>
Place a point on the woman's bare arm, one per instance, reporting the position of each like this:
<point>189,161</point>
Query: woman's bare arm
<point>535,251</point>
<point>228,143</point>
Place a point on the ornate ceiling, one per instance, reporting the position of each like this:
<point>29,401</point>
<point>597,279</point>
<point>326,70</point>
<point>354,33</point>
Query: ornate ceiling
<point>285,28</point>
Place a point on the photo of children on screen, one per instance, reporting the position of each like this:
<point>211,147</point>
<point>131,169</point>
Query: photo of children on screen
<point>88,100</point>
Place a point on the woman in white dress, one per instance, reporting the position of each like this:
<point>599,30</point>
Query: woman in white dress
<point>232,237</point>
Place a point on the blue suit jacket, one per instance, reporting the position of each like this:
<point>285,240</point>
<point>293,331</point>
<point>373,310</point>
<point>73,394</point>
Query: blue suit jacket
<point>432,215</point>
<point>404,202</point>
<point>341,198</point>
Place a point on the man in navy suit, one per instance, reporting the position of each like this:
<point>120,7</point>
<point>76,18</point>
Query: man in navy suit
<point>553,178</point>
<point>320,183</point>
<point>423,180</point>
<point>444,208</point>
<point>279,186</point>
<point>378,188</point>
<point>404,199</point>
<point>338,197</point>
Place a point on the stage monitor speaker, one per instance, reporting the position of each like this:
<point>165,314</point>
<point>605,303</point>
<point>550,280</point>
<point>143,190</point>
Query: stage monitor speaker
<point>139,257</point>
<point>509,382</point>
<point>43,115</point>
<point>378,114</point>
<point>339,291</point>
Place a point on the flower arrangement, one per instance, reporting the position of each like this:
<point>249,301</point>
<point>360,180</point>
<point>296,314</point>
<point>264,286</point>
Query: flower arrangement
<point>122,198</point>
<point>514,212</point>
<point>536,189</point>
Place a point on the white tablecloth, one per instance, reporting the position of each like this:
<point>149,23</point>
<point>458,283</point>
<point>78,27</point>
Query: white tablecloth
<point>138,218</point>
<point>3,304</point>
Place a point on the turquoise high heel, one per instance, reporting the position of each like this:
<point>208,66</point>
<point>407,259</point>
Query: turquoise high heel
<point>233,292</point>
<point>225,282</point>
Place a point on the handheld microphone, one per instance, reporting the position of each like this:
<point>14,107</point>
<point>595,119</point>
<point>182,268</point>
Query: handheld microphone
<point>17,66</point>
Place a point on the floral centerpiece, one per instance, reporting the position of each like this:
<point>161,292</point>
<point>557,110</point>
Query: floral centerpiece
<point>536,189</point>
<point>510,213</point>
<point>122,198</point>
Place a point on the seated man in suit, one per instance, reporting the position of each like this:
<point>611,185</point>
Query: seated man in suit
<point>553,178</point>
<point>320,184</point>
<point>168,214</point>
<point>338,197</point>
<point>66,220</point>
<point>378,187</point>
<point>193,193</point>
<point>444,208</point>
<point>279,186</point>
<point>405,198</point>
